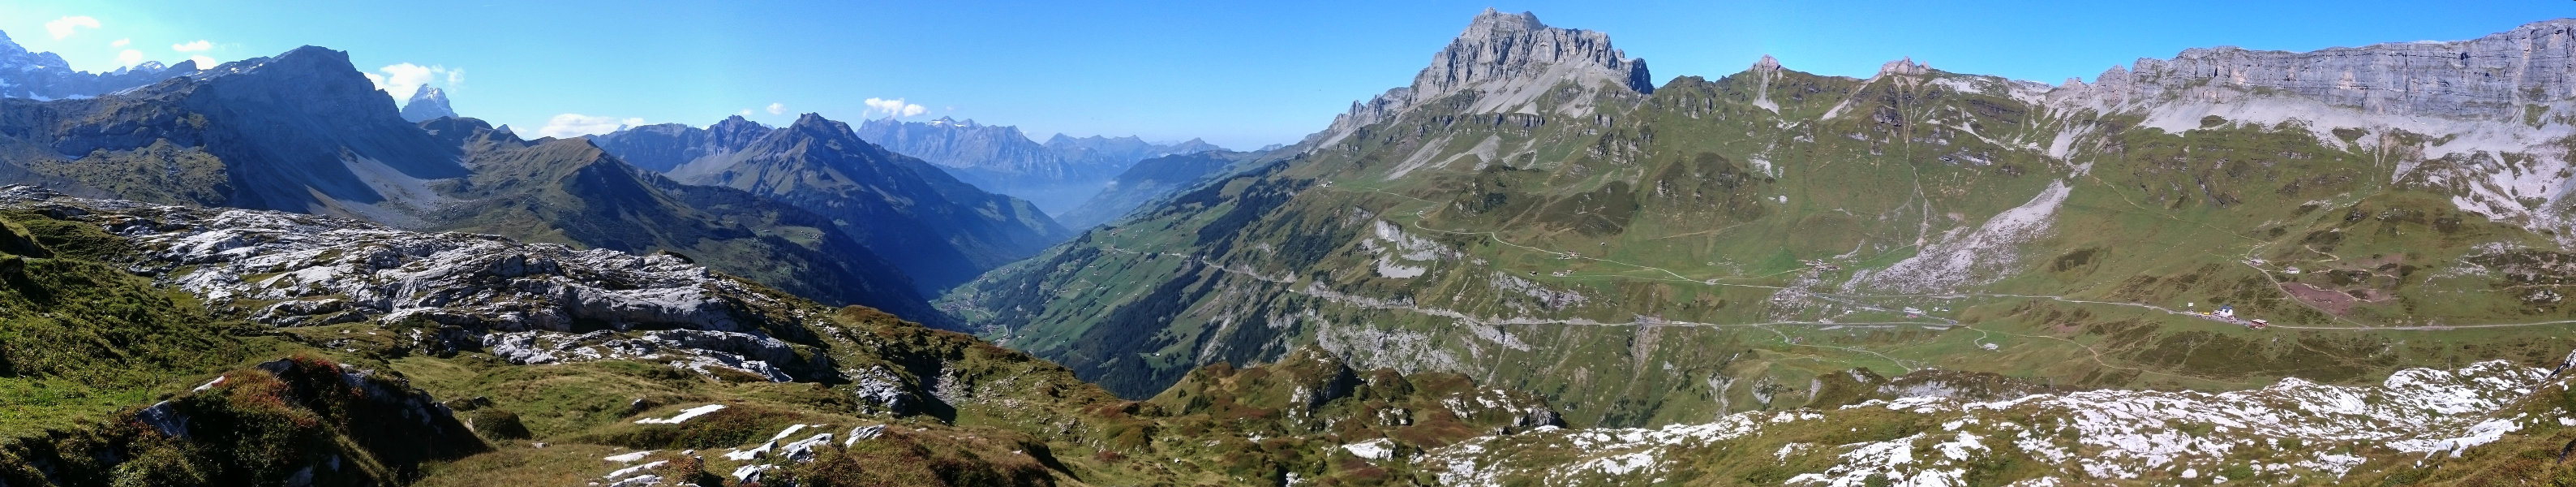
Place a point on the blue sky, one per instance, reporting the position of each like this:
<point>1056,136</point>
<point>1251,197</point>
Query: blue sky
<point>1236,73</point>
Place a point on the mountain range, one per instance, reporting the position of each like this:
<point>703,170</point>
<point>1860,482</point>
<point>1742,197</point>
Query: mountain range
<point>1058,175</point>
<point>940,231</point>
<point>44,75</point>
<point>304,131</point>
<point>1532,265</point>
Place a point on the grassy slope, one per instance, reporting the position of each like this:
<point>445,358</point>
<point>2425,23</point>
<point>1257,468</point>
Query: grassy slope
<point>994,416</point>
<point>1697,183</point>
<point>80,339</point>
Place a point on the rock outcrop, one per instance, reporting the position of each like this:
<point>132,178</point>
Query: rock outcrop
<point>300,420</point>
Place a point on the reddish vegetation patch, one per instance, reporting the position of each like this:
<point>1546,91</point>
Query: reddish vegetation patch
<point>2330,301</point>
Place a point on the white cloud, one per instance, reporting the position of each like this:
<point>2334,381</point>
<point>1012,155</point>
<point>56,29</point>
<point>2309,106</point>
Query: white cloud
<point>400,80</point>
<point>893,108</point>
<point>121,42</point>
<point>129,57</point>
<point>575,124</point>
<point>777,108</point>
<point>63,27</point>
<point>745,112</point>
<point>204,62</point>
<point>199,46</point>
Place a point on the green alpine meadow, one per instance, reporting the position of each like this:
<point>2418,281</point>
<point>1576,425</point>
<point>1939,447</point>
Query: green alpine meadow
<point>1538,263</point>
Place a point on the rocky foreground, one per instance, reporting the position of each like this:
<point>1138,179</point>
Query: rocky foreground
<point>527,303</point>
<point>2294,432</point>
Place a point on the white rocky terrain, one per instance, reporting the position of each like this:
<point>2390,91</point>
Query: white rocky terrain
<point>527,303</point>
<point>2294,431</point>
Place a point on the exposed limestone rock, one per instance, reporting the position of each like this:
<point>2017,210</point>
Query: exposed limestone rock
<point>868,432</point>
<point>879,389</point>
<point>803,450</point>
<point>2488,77</point>
<point>476,281</point>
<point>520,301</point>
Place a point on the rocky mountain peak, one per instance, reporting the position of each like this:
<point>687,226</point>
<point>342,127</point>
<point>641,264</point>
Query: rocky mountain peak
<point>1767,65</point>
<point>1508,60</point>
<point>738,125</point>
<point>1491,22</point>
<point>44,75</point>
<point>426,104</point>
<point>321,79</point>
<point>148,66</point>
<point>1513,56</point>
<point>813,124</point>
<point>13,55</point>
<point>1901,67</point>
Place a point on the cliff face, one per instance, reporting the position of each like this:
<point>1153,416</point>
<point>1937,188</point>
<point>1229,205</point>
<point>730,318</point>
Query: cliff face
<point>2489,77</point>
<point>2477,120</point>
<point>1514,53</point>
